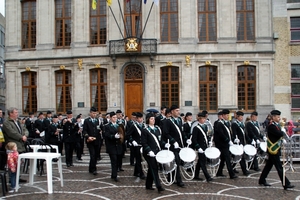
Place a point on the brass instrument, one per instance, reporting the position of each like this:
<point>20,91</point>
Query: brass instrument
<point>121,131</point>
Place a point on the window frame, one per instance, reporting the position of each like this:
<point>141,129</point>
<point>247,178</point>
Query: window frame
<point>64,35</point>
<point>32,92</point>
<point>169,12</point>
<point>63,91</point>
<point>28,37</point>
<point>101,19</point>
<point>169,93</point>
<point>247,20</point>
<point>99,84</point>
<point>294,80</point>
<point>295,29</point>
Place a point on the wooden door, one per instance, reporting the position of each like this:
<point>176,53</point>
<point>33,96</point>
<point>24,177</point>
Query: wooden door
<point>133,97</point>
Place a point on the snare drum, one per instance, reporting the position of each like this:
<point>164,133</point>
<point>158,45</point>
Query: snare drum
<point>188,156</point>
<point>236,153</point>
<point>167,159</point>
<point>249,152</point>
<point>262,150</point>
<point>213,156</point>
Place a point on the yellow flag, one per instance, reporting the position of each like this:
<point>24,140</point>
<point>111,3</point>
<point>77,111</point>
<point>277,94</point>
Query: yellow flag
<point>108,2</point>
<point>94,4</point>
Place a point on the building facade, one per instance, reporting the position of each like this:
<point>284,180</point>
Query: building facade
<point>63,55</point>
<point>2,71</point>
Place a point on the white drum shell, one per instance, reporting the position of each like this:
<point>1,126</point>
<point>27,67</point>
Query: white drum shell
<point>236,153</point>
<point>213,156</point>
<point>262,150</point>
<point>188,156</point>
<point>249,152</point>
<point>167,159</point>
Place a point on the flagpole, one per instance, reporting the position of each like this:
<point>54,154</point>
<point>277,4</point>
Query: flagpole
<point>123,18</point>
<point>130,18</point>
<point>139,22</point>
<point>116,21</point>
<point>147,19</point>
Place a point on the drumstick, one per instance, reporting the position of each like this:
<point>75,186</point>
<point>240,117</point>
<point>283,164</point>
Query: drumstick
<point>237,138</point>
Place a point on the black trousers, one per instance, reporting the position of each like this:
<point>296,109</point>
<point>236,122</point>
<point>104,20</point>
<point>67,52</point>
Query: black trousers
<point>93,150</point>
<point>201,164</point>
<point>273,160</point>
<point>138,171</point>
<point>225,157</point>
<point>152,174</point>
<point>115,162</point>
<point>242,164</point>
<point>131,155</point>
<point>178,163</point>
<point>69,148</point>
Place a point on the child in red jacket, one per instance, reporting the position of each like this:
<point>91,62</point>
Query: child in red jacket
<point>12,161</point>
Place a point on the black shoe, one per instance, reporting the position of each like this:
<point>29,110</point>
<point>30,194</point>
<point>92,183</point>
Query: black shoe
<point>71,165</point>
<point>116,179</point>
<point>143,177</point>
<point>288,186</point>
<point>220,175</point>
<point>246,173</point>
<point>95,172</point>
<point>22,180</point>
<point>198,178</point>
<point>210,179</point>
<point>234,177</point>
<point>180,184</point>
<point>121,170</point>
<point>264,183</point>
<point>149,188</point>
<point>160,189</point>
<point>257,169</point>
<point>68,165</point>
<point>235,171</point>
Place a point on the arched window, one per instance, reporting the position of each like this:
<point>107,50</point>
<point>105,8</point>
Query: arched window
<point>63,84</point>
<point>29,86</point>
<point>98,88</point>
<point>246,88</point>
<point>208,88</point>
<point>169,86</point>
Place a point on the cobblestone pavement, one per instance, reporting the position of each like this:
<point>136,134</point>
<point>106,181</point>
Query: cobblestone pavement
<point>79,184</point>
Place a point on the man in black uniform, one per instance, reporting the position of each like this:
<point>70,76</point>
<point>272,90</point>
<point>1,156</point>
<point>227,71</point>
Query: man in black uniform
<point>46,122</point>
<point>161,116</point>
<point>129,124</point>
<point>69,132</point>
<point>91,132</point>
<point>39,126</point>
<point>172,132</point>
<point>275,136</point>
<point>241,138</point>
<point>222,139</point>
<point>29,123</point>
<point>113,145</point>
<point>53,131</point>
<point>134,137</point>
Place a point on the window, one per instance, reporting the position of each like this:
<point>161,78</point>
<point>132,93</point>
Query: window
<point>293,1</point>
<point>245,20</point>
<point>208,88</point>
<point>63,90</point>
<point>169,21</point>
<point>295,29</point>
<point>295,86</point>
<point>246,88</point>
<point>98,23</point>
<point>207,20</point>
<point>63,23</point>
<point>98,88</point>
<point>29,86</point>
<point>169,86</point>
<point>28,24</point>
<point>133,18</point>
<point>2,38</point>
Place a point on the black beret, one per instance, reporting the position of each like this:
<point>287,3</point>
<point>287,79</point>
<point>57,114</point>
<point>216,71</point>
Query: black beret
<point>133,114</point>
<point>220,113</point>
<point>275,112</point>
<point>188,114</point>
<point>225,111</point>
<point>138,114</point>
<point>201,114</point>
<point>118,111</point>
<point>41,113</point>
<point>149,115</point>
<point>204,112</point>
<point>181,114</point>
<point>78,116</point>
<point>254,113</point>
<point>173,107</point>
<point>163,107</point>
<point>49,112</point>
<point>54,116</point>
<point>239,113</point>
<point>112,113</point>
<point>69,112</point>
<point>93,109</point>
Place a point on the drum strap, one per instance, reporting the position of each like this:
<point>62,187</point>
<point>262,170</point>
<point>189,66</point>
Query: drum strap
<point>179,132</point>
<point>138,130</point>
<point>228,131</point>
<point>204,135</point>
<point>154,137</point>
<point>256,127</point>
<point>242,131</point>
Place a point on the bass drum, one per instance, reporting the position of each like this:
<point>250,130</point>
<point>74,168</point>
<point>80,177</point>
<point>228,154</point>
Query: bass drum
<point>213,156</point>
<point>249,152</point>
<point>236,153</point>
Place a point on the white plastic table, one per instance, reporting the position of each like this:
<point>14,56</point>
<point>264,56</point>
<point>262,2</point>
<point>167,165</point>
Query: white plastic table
<point>37,155</point>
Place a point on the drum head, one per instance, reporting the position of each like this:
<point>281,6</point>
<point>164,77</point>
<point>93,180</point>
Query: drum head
<point>236,149</point>
<point>165,156</point>
<point>250,150</point>
<point>263,146</point>
<point>212,153</point>
<point>187,155</point>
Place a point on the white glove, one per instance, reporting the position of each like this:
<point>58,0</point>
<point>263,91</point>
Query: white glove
<point>176,145</point>
<point>117,136</point>
<point>241,146</point>
<point>283,141</point>
<point>253,142</point>
<point>210,143</point>
<point>167,145</point>
<point>151,154</point>
<point>189,141</point>
<point>236,140</point>
<point>200,150</point>
<point>134,143</point>
<point>230,143</point>
<point>257,142</point>
<point>265,138</point>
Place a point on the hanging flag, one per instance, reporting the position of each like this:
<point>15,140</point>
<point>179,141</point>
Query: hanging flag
<point>127,1</point>
<point>108,2</point>
<point>156,2</point>
<point>94,4</point>
<point>145,1</point>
